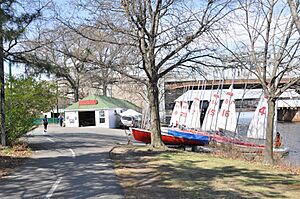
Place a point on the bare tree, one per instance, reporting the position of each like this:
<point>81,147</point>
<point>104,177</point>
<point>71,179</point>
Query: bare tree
<point>263,39</point>
<point>62,55</point>
<point>166,34</point>
<point>106,59</point>
<point>294,7</point>
<point>15,17</point>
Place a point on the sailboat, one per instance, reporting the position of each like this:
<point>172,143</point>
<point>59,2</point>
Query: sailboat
<point>175,114</point>
<point>226,120</point>
<point>258,125</point>
<point>227,115</point>
<point>216,120</point>
<point>210,119</point>
<point>184,113</point>
<point>193,119</point>
<point>222,120</point>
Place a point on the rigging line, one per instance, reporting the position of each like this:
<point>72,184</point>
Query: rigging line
<point>241,106</point>
<point>192,119</point>
<point>230,96</point>
<point>211,91</point>
<point>189,123</point>
<point>202,100</point>
<point>215,103</point>
<point>220,96</point>
<point>181,103</point>
<point>191,87</point>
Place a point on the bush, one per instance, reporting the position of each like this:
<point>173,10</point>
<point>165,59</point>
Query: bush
<point>25,98</point>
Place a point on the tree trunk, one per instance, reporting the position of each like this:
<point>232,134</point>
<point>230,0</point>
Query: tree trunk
<point>2,93</point>
<point>293,7</point>
<point>104,89</point>
<point>76,94</point>
<point>269,134</point>
<point>153,92</point>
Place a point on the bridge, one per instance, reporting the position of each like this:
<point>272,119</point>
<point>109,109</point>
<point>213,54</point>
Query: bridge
<point>238,83</point>
<point>174,89</point>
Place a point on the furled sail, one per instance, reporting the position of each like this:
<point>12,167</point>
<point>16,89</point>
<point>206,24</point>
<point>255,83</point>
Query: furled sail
<point>184,112</point>
<point>176,114</point>
<point>210,119</point>
<point>258,125</point>
<point>227,115</point>
<point>193,119</point>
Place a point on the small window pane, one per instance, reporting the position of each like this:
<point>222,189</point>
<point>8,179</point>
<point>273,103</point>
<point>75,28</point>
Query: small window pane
<point>102,120</point>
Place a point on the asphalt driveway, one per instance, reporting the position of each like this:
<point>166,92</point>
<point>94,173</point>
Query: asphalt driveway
<point>67,163</point>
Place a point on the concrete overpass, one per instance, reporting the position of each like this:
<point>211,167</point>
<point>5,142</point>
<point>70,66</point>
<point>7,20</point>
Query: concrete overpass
<point>174,89</point>
<point>238,83</point>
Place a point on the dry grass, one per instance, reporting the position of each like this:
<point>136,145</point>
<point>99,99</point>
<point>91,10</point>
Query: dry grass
<point>177,174</point>
<point>12,157</point>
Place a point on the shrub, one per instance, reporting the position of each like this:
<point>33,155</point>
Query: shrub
<point>25,98</point>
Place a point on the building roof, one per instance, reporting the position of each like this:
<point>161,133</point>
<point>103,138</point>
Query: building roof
<point>102,102</point>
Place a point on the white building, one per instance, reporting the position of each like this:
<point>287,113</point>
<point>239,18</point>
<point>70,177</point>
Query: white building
<point>98,111</point>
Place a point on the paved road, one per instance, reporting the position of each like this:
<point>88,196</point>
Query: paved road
<point>67,163</point>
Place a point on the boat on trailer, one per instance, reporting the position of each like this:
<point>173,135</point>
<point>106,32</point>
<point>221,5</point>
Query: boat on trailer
<point>176,138</point>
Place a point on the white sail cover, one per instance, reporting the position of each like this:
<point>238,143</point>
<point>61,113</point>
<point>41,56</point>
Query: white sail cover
<point>193,118</point>
<point>258,125</point>
<point>210,119</point>
<point>176,114</point>
<point>184,112</point>
<point>227,115</point>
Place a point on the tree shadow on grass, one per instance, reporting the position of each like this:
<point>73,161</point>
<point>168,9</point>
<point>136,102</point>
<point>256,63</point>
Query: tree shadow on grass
<point>147,177</point>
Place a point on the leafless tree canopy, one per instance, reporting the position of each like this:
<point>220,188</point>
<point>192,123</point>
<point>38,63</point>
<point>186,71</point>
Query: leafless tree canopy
<point>163,34</point>
<point>263,39</point>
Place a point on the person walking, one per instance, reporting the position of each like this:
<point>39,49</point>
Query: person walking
<point>61,120</point>
<point>45,123</point>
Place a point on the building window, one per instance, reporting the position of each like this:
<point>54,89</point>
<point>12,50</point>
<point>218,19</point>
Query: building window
<point>102,117</point>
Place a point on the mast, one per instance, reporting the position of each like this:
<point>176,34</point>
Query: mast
<point>184,110</point>
<point>194,111</point>
<point>216,103</point>
<point>220,93</point>
<point>204,124</point>
<point>202,101</point>
<point>230,100</point>
<point>242,102</point>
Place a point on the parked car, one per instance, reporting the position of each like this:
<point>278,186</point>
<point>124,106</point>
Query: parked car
<point>129,121</point>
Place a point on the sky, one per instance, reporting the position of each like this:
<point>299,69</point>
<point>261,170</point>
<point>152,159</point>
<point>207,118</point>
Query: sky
<point>16,69</point>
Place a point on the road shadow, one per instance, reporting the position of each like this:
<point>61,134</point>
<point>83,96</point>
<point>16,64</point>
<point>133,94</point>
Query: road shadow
<point>86,176</point>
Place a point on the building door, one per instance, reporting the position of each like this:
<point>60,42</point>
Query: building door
<point>87,118</point>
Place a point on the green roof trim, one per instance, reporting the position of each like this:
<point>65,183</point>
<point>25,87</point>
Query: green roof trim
<point>104,102</point>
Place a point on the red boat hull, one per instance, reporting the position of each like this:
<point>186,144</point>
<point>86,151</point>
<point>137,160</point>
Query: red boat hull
<point>144,136</point>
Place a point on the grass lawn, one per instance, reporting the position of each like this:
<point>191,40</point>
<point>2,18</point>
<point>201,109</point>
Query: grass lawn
<point>178,174</point>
